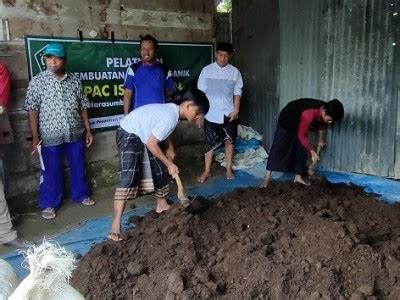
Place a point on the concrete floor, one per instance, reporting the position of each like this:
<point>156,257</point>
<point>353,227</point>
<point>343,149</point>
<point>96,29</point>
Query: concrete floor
<point>33,227</point>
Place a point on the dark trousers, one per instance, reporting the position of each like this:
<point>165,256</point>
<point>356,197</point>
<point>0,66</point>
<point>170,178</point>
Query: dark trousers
<point>287,154</point>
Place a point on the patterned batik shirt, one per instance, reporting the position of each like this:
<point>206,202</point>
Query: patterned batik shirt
<point>59,103</point>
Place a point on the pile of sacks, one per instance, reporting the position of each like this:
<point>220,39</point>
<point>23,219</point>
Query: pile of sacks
<point>8,280</point>
<point>248,149</point>
<point>50,269</point>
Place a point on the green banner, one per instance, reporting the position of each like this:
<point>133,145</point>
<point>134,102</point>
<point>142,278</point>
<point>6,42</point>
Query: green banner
<point>101,66</point>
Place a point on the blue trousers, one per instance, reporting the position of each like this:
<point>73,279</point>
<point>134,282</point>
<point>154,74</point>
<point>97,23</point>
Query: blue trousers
<point>51,181</point>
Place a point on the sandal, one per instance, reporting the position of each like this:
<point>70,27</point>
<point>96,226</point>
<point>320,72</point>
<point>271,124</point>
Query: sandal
<point>116,237</point>
<point>48,213</point>
<point>88,202</point>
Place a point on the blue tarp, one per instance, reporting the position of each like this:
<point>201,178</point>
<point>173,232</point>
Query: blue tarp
<point>94,231</point>
<point>387,189</point>
<point>242,145</point>
<point>79,239</point>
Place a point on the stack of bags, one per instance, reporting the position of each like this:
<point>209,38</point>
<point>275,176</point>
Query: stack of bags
<point>248,150</point>
<point>50,268</point>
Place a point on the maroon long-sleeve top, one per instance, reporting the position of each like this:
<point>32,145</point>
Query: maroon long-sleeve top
<point>4,85</point>
<point>307,118</point>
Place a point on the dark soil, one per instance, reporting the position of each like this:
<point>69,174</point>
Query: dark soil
<point>324,241</point>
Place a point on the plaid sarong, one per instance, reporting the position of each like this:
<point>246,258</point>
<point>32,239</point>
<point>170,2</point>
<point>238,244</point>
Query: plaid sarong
<point>133,176</point>
<point>216,134</point>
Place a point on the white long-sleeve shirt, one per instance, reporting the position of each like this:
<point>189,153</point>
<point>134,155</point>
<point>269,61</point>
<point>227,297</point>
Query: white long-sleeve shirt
<point>220,85</point>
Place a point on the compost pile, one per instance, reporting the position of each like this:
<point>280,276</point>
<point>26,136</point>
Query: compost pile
<point>323,241</point>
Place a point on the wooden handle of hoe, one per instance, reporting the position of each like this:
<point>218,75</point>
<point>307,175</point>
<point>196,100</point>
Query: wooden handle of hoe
<point>311,168</point>
<point>181,191</point>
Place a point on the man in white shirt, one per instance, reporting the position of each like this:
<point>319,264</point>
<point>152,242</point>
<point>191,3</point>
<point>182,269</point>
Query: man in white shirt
<point>140,156</point>
<point>222,83</point>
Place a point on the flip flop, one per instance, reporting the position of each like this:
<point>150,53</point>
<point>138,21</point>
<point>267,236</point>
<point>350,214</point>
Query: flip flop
<point>115,237</point>
<point>48,213</point>
<point>88,202</point>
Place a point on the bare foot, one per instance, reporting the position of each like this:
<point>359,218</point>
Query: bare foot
<point>229,174</point>
<point>114,236</point>
<point>267,179</point>
<point>115,232</point>
<point>266,182</point>
<point>203,177</point>
<point>299,179</point>
<point>162,205</point>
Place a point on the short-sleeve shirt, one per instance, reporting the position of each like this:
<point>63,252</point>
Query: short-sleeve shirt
<point>59,103</point>
<point>220,85</point>
<point>158,120</point>
<point>148,82</point>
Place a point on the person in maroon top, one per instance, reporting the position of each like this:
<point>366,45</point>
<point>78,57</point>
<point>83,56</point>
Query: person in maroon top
<point>291,143</point>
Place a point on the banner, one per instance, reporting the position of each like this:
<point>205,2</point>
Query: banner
<point>101,66</point>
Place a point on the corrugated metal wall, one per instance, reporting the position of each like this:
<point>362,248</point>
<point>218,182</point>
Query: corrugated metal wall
<point>345,49</point>
<point>396,86</point>
<point>223,30</point>
<point>255,31</point>
<point>359,68</point>
<point>301,52</point>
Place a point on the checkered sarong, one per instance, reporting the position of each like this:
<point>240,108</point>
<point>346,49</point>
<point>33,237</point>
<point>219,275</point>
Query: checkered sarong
<point>216,134</point>
<point>133,176</point>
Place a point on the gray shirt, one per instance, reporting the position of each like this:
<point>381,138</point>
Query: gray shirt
<point>59,103</point>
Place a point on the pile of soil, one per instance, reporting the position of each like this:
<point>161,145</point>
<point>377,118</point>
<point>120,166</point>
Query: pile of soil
<point>324,241</point>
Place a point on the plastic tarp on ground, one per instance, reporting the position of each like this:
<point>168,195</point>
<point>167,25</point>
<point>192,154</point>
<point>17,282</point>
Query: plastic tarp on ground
<point>387,189</point>
<point>81,238</point>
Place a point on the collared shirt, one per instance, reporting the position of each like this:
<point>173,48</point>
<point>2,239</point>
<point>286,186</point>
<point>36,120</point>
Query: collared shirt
<point>220,85</point>
<point>59,103</point>
<point>148,82</point>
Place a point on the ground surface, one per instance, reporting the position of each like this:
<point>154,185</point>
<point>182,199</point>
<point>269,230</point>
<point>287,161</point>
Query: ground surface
<point>32,227</point>
<point>324,241</point>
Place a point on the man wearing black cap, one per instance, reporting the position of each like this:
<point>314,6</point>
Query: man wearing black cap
<point>222,83</point>
<point>59,124</point>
